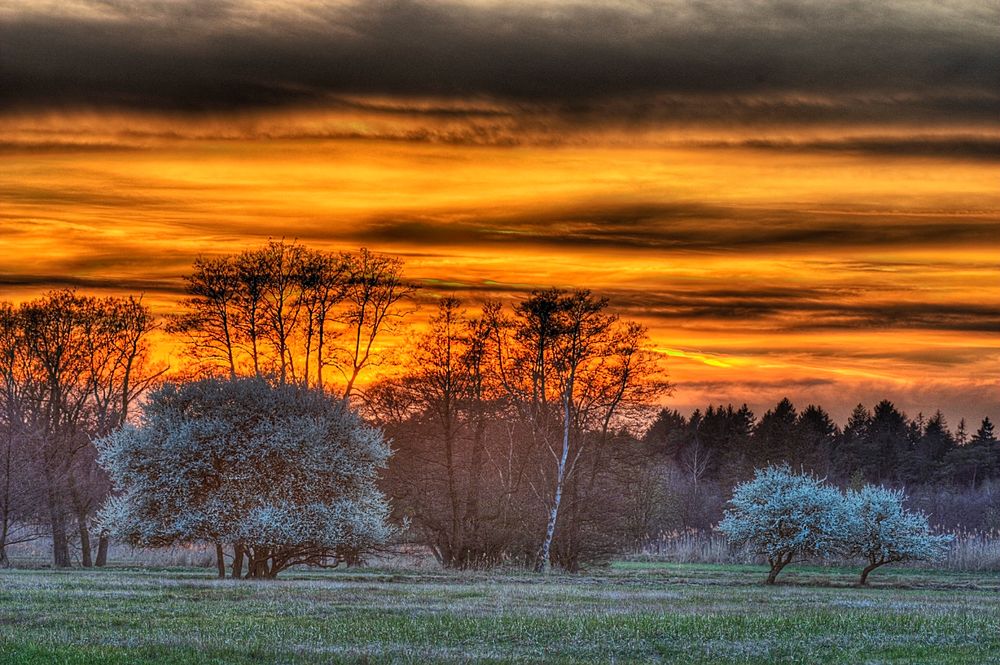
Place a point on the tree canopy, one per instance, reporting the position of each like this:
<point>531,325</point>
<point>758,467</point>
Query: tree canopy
<point>785,517</point>
<point>284,473</point>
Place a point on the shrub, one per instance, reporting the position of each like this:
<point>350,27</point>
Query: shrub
<point>882,531</point>
<point>786,517</point>
<point>284,473</point>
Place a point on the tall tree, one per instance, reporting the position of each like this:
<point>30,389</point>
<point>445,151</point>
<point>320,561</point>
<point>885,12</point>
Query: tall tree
<point>775,439</point>
<point>289,311</point>
<point>886,444</point>
<point>374,290</point>
<point>930,449</point>
<point>323,287</point>
<point>74,366</point>
<point>849,451</point>
<point>985,433</point>
<point>440,384</point>
<point>282,301</point>
<point>817,436</point>
<point>18,487</point>
<point>211,321</point>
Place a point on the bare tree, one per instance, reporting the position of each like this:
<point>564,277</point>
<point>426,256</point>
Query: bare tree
<point>53,328</point>
<point>440,383</point>
<point>498,415</point>
<point>375,287</point>
<point>116,340</point>
<point>582,328</point>
<point>73,365</point>
<point>252,273</point>
<point>323,287</point>
<point>211,321</point>
<point>282,299</point>
<point>278,309</point>
<point>478,391</point>
<point>695,460</point>
<point>18,496</point>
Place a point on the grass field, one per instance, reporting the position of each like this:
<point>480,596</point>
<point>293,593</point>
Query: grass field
<point>634,612</point>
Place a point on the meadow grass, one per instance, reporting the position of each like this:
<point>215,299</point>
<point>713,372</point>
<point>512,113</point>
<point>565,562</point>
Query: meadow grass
<point>633,612</point>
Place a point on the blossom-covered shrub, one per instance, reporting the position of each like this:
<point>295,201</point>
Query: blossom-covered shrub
<point>283,473</point>
<point>785,517</point>
<point>883,531</point>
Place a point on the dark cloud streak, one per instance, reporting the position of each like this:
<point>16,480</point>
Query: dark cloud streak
<point>906,60</point>
<point>102,284</point>
<point>688,228</point>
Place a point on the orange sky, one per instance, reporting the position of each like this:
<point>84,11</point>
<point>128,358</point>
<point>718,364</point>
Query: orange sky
<point>772,248</point>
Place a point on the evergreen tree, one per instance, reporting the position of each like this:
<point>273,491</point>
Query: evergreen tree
<point>886,444</point>
<point>817,434</point>
<point>962,434</point>
<point>775,440</point>
<point>668,433</point>
<point>934,444</point>
<point>848,450</point>
<point>985,433</point>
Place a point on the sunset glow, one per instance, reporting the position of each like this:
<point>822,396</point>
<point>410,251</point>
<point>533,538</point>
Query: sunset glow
<point>833,237</point>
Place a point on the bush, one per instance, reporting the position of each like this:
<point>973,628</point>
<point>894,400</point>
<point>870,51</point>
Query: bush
<point>883,531</point>
<point>786,517</point>
<point>283,473</point>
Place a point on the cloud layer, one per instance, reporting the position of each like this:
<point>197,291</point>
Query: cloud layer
<point>771,60</point>
<point>796,196</point>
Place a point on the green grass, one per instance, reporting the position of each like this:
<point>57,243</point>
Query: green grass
<point>634,612</point>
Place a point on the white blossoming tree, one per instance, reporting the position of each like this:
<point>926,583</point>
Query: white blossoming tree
<point>883,531</point>
<point>786,517</point>
<point>283,473</point>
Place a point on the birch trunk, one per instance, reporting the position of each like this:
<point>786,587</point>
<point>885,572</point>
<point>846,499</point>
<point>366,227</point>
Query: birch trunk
<point>544,563</point>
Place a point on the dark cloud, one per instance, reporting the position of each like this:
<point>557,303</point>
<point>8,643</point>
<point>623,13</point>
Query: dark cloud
<point>777,60</point>
<point>35,147</point>
<point>174,287</point>
<point>686,228</point>
<point>781,310</point>
<point>111,199</point>
<point>984,148</point>
<point>805,309</point>
<point>752,386</point>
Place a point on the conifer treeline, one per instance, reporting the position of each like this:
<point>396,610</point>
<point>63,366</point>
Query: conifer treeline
<point>880,445</point>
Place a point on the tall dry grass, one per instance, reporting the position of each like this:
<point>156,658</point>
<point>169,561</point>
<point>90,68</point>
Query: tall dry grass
<point>38,554</point>
<point>973,550</point>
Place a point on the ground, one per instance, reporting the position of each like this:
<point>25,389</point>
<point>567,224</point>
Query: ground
<point>633,612</point>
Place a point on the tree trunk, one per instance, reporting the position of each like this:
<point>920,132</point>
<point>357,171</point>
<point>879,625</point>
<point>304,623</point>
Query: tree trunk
<point>220,560</point>
<point>455,536</point>
<point>80,511</point>
<point>776,567</point>
<point>57,521</point>
<point>257,568</point>
<point>543,562</point>
<point>103,543</point>
<point>237,572</point>
<point>868,569</point>
<point>472,499</point>
<point>5,524</point>
<point>85,555</point>
<point>60,544</point>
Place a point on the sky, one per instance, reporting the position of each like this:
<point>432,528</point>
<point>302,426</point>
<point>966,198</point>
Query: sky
<point>798,198</point>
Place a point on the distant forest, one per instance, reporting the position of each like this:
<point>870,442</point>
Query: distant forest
<point>677,474</point>
<point>528,434</point>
